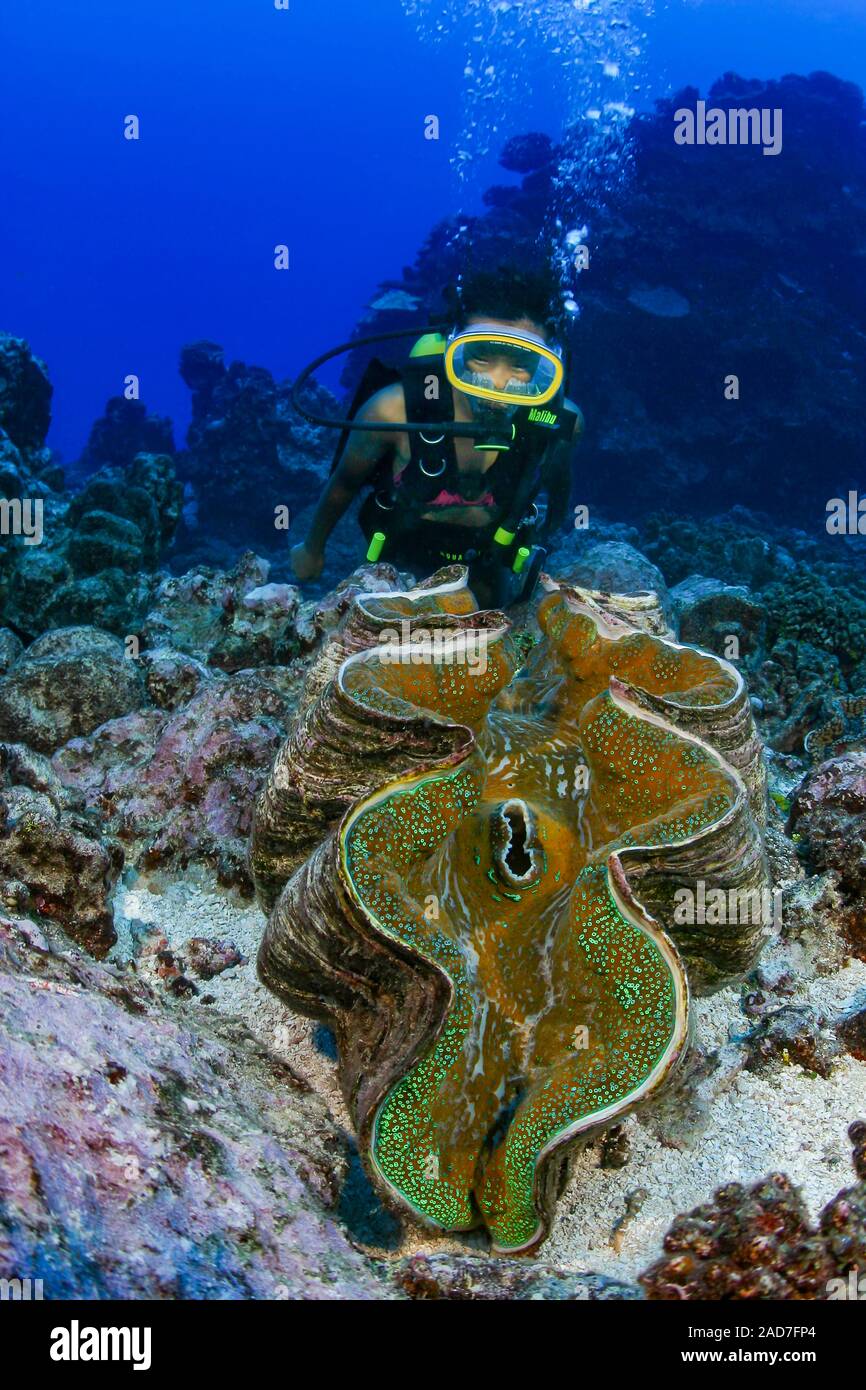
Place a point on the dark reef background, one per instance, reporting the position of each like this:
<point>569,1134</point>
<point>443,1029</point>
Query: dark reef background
<point>700,268</point>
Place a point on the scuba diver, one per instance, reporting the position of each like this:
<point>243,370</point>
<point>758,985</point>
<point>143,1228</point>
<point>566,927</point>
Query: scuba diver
<point>456,445</point>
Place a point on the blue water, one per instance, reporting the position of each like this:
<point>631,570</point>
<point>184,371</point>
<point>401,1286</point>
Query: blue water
<point>694,41</point>
<point>261,127</point>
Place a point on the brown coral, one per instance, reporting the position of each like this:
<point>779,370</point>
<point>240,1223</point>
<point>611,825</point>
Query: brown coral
<point>761,1244</point>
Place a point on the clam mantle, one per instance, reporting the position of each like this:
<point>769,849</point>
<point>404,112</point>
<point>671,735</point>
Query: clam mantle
<point>470,868</point>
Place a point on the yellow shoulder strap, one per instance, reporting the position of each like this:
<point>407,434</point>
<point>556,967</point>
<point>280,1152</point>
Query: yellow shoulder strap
<point>429,345</point>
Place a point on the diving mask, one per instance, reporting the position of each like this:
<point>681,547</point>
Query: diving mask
<point>503,367</point>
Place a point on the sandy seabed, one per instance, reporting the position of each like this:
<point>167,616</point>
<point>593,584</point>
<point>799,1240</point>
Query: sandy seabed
<point>611,1221</point>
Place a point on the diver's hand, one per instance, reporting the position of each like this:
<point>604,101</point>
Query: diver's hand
<point>306,563</point>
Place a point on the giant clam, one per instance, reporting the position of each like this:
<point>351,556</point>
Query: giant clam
<point>470,847</point>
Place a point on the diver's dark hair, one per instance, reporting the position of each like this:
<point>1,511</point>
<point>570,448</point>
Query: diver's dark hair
<point>509,292</point>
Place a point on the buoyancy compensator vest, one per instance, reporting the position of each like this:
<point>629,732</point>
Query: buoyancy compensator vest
<point>392,516</point>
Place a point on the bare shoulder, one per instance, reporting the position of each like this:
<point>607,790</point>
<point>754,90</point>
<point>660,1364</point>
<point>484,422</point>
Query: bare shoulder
<point>369,447</point>
<point>388,405</point>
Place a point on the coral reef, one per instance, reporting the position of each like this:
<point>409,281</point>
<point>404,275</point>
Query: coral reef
<point>247,452</point>
<point>25,394</point>
<point>462,1277</point>
<point>55,859</point>
<point>851,1032</point>
<point>125,430</point>
<point>828,818</point>
<point>67,683</point>
<point>828,812</point>
<point>420,806</point>
<point>711,613</point>
<point>738,547</point>
<point>787,606</point>
<point>807,608</point>
<point>94,561</point>
<point>125,516</point>
<point>11,648</point>
<point>792,1034</point>
<point>146,1155</point>
<point>178,787</point>
<point>87,558</point>
<point>761,1244</point>
<point>612,567</point>
<point>210,958</point>
<point>231,621</point>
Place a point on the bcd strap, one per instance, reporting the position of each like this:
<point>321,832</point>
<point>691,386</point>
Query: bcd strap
<point>433,461</point>
<point>534,439</point>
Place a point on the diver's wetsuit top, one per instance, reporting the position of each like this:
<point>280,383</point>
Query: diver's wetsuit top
<point>437,541</point>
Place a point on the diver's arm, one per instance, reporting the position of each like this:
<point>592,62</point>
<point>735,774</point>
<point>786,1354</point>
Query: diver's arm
<point>557,479</point>
<point>365,450</point>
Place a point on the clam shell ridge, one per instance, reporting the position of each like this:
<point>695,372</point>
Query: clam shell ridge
<point>470,851</point>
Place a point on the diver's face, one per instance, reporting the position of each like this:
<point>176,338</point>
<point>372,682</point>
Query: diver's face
<point>500,367</point>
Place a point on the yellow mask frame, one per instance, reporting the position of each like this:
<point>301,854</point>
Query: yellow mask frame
<point>549,364</point>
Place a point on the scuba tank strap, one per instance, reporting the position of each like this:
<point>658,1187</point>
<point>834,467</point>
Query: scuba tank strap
<point>557,471</point>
